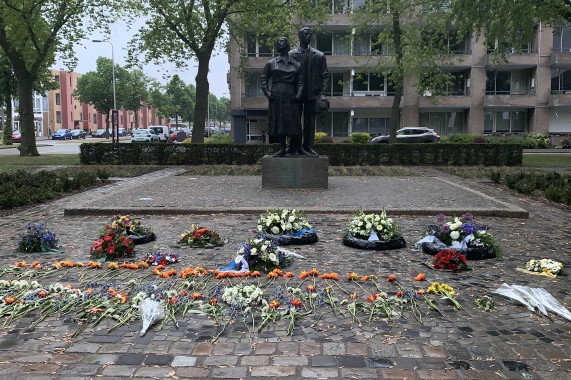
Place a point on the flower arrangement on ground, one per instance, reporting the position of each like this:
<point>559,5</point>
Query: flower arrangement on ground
<point>161,258</point>
<point>445,291</point>
<point>373,231</point>
<point>37,238</point>
<point>486,303</point>
<point>283,222</point>
<point>544,265</point>
<point>111,246</point>
<point>201,237</point>
<point>242,295</point>
<point>450,260</point>
<point>125,225</point>
<point>460,234</point>
<point>261,255</point>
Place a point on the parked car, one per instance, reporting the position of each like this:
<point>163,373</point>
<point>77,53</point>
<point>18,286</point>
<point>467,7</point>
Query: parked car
<point>145,135</point>
<point>99,133</point>
<point>122,132</point>
<point>78,134</point>
<point>16,137</point>
<point>62,134</point>
<point>162,131</point>
<point>410,135</point>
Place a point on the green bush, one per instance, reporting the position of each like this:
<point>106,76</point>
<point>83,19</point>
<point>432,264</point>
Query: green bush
<point>464,138</point>
<point>219,139</point>
<point>496,176</point>
<point>360,137</point>
<point>319,136</point>
<point>535,141</point>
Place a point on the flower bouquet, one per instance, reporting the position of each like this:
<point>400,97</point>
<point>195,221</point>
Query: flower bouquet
<point>547,266</point>
<point>161,258</point>
<point>461,235</point>
<point>286,227</point>
<point>111,246</point>
<point>449,259</point>
<point>261,255</point>
<point>373,231</point>
<point>201,237</point>
<point>37,238</point>
<point>125,225</point>
<point>242,295</point>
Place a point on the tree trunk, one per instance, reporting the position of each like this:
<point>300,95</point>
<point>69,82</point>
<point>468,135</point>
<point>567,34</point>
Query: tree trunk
<point>136,119</point>
<point>201,105</point>
<point>7,131</point>
<point>26,111</point>
<point>397,77</point>
<point>107,134</point>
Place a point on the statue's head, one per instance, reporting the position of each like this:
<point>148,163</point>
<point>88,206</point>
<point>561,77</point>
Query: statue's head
<point>282,44</point>
<point>304,35</point>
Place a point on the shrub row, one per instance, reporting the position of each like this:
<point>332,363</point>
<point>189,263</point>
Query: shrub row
<point>527,140</point>
<point>553,185</point>
<point>339,154</point>
<point>21,188</point>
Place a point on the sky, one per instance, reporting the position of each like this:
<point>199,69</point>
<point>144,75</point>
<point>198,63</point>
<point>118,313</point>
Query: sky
<point>120,36</point>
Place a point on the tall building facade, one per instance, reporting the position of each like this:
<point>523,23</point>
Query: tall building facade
<point>529,91</point>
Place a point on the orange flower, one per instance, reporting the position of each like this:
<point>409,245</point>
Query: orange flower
<point>296,302</point>
<point>21,264</point>
<point>310,288</point>
<point>35,264</point>
<point>420,277</point>
<point>182,293</point>
<point>172,301</point>
<point>421,292</point>
<point>57,265</point>
<point>124,265</point>
<point>156,271</point>
<point>288,275</point>
<point>353,296</point>
<point>334,276</point>
<point>272,275</point>
<point>69,286</point>
<point>391,278</point>
<point>365,278</point>
<point>164,275</point>
<point>42,293</point>
<point>142,264</point>
<point>113,265</point>
<point>303,274</point>
<point>89,290</point>
<point>246,273</point>
<point>9,300</point>
<point>314,272</point>
<point>78,264</point>
<point>328,289</point>
<point>326,276</point>
<point>373,297</point>
<point>255,274</point>
<point>274,304</point>
<point>352,276</point>
<point>196,296</point>
<point>133,266</point>
<point>213,302</point>
<point>94,310</point>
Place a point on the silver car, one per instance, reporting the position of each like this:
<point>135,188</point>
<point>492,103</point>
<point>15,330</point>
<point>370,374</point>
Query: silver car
<point>410,135</point>
<point>144,135</point>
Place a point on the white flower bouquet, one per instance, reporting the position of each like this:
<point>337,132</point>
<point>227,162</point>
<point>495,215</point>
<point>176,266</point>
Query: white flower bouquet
<point>262,255</point>
<point>286,227</point>
<point>544,265</point>
<point>242,295</point>
<point>368,226</point>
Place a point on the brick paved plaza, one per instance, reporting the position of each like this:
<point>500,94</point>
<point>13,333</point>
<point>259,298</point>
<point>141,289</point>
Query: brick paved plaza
<point>509,342</point>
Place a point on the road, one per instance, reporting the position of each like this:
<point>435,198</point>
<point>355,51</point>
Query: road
<point>46,146</point>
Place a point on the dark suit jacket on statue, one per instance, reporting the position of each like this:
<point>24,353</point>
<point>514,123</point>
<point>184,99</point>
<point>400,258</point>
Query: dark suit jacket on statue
<point>315,77</point>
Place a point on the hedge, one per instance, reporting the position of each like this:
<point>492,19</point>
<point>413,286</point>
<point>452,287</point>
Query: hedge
<point>339,154</point>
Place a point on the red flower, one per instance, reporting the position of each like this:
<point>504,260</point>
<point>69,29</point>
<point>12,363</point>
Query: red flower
<point>296,302</point>
<point>128,250</point>
<point>274,304</point>
<point>213,301</point>
<point>163,262</point>
<point>391,278</point>
<point>110,250</point>
<point>353,296</point>
<point>399,293</point>
<point>420,277</point>
<point>107,238</point>
<point>453,267</point>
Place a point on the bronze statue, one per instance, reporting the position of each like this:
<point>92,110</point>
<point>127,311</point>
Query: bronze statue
<point>316,78</point>
<point>282,84</point>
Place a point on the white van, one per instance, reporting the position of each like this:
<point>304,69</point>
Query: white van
<point>162,131</point>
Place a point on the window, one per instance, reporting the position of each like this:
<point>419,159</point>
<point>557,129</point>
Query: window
<point>339,6</point>
<point>331,43</point>
<point>448,42</point>
<point>505,121</point>
<point>58,98</point>
<point>560,81</point>
<point>56,78</point>
<point>259,46</point>
<point>37,104</point>
<point>333,123</point>
<point>70,99</point>
<point>505,47</point>
<point>444,123</point>
<point>121,119</point>
<point>256,126</point>
<point>454,83</point>
<point>508,82</point>
<point>337,82</point>
<point>253,89</point>
<point>372,125</point>
<point>367,44</point>
<point>562,39</point>
<point>58,116</point>
<point>369,84</point>
<point>94,118</point>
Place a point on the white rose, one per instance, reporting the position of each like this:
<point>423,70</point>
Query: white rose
<point>288,226</point>
<point>368,226</point>
<point>291,219</point>
<point>383,221</point>
<point>273,257</point>
<point>455,243</point>
<point>253,251</point>
<point>238,259</point>
<point>275,230</point>
<point>268,222</point>
<point>454,235</point>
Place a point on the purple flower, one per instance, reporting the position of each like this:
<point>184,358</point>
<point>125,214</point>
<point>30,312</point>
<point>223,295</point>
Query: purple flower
<point>469,228</point>
<point>468,217</point>
<point>440,218</point>
<point>445,228</point>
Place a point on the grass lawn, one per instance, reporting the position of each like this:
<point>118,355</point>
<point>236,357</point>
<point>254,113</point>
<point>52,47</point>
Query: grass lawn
<point>14,162</point>
<point>552,160</point>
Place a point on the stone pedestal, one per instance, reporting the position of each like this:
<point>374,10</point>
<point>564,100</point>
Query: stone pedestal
<point>295,172</point>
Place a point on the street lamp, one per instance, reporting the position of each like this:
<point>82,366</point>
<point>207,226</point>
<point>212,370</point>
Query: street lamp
<point>113,71</point>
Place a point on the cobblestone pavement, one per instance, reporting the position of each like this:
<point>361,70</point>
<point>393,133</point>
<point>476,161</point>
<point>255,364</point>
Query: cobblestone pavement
<point>510,342</point>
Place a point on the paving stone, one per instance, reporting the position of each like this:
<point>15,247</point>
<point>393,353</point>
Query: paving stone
<point>182,348</point>
<point>103,339</point>
<point>390,373</point>
<point>319,372</point>
<point>100,358</point>
<point>154,372</point>
<point>25,357</point>
<point>310,349</point>
<point>192,372</point>
<point>223,349</point>
<point>334,349</point>
<point>160,360</point>
<point>79,370</point>
<point>357,349</point>
<point>256,360</point>
<point>66,358</point>
<point>229,372</point>
<point>242,349</point>
<point>130,359</point>
<point>288,348</point>
<point>265,348</point>
<point>203,348</point>
<point>220,360</point>
<point>323,361</point>
<point>434,352</point>
<point>184,361</point>
<point>40,368</point>
<point>113,348</point>
<point>294,361</point>
<point>351,361</point>
<point>270,371</point>
<point>434,374</point>
<point>119,370</point>
<point>359,373</point>
<point>84,347</point>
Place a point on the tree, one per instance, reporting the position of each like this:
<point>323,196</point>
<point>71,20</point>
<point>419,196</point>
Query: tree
<point>96,88</point>
<point>137,93</point>
<point>178,31</point>
<point>8,89</point>
<point>31,33</point>
<point>508,22</point>
<point>409,32</point>
<point>180,99</point>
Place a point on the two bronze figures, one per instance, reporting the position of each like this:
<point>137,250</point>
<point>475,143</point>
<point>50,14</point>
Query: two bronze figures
<point>295,83</point>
